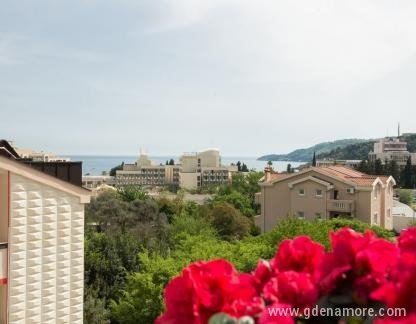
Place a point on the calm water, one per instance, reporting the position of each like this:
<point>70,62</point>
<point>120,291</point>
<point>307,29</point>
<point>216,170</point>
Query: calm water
<point>95,165</point>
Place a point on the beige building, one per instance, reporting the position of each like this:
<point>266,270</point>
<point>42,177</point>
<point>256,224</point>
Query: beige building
<point>204,169</point>
<point>324,193</point>
<point>41,246</point>
<point>194,171</point>
<point>391,148</point>
<point>26,153</point>
<point>145,173</point>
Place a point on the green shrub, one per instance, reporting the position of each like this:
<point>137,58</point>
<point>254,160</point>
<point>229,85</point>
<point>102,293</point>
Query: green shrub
<point>405,196</point>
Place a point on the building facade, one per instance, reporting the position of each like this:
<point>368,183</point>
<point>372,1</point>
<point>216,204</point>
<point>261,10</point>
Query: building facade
<point>391,148</point>
<point>324,193</point>
<point>331,162</point>
<point>41,245</point>
<point>195,170</point>
<point>204,169</point>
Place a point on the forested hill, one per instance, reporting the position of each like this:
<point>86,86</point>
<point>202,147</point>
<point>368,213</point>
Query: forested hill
<point>304,155</point>
<point>359,151</point>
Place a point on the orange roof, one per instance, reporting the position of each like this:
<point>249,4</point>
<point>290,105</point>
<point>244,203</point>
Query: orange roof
<point>340,172</point>
<point>278,176</point>
<point>357,177</point>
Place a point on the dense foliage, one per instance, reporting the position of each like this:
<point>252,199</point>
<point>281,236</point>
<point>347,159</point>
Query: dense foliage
<point>135,244</point>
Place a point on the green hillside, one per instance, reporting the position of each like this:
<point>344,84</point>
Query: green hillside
<point>305,154</point>
<point>359,151</point>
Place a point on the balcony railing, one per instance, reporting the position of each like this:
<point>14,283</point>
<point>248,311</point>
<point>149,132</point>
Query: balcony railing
<point>340,205</point>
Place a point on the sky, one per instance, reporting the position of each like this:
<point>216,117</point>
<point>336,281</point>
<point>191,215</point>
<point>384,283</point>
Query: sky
<point>112,77</point>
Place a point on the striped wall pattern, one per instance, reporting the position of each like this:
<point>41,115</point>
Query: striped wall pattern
<point>46,265</point>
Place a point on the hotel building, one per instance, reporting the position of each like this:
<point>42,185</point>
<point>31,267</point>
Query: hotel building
<point>195,170</point>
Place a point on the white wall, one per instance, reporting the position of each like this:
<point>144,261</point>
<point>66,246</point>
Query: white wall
<point>46,246</point>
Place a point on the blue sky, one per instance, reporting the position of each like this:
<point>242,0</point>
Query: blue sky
<point>248,77</point>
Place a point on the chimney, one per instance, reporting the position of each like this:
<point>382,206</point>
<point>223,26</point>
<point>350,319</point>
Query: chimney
<point>268,170</point>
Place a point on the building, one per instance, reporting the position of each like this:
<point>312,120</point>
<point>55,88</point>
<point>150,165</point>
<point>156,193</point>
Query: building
<point>29,154</point>
<point>92,182</point>
<point>324,193</point>
<point>391,148</point>
<point>195,170</point>
<point>41,245</point>
<point>331,162</point>
<point>204,169</point>
<point>403,216</point>
<point>145,173</point>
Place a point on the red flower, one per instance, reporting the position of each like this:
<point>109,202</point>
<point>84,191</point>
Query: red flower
<point>358,255</point>
<point>400,290</point>
<point>262,274</point>
<point>204,289</point>
<point>277,314</point>
<point>300,254</point>
<point>294,288</point>
<point>407,240</point>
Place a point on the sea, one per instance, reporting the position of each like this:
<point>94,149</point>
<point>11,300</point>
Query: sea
<point>97,164</point>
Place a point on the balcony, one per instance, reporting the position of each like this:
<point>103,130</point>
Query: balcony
<point>336,205</point>
<point>3,264</point>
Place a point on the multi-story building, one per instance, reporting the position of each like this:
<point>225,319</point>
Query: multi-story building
<point>29,154</point>
<point>391,148</point>
<point>204,169</point>
<point>145,173</point>
<point>41,245</point>
<point>324,193</point>
<point>195,170</point>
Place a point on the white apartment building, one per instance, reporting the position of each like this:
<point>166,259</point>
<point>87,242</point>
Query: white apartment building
<point>41,246</point>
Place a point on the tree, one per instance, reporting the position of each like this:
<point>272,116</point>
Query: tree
<point>244,168</point>
<point>229,222</point>
<point>406,196</point>
<point>378,167</point>
<point>237,199</point>
<point>171,162</point>
<point>114,170</point>
<point>131,193</point>
<point>393,169</point>
<point>407,174</point>
<point>289,168</point>
<point>363,167</point>
<point>238,166</point>
<point>270,163</point>
<point>314,159</point>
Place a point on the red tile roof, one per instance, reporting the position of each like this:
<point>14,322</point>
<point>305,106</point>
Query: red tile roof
<point>357,177</point>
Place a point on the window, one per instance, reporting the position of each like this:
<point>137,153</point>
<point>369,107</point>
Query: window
<point>318,192</point>
<point>301,215</point>
<point>318,215</point>
<point>377,191</point>
<point>301,192</point>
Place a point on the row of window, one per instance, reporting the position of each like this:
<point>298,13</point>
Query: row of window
<point>318,192</point>
<point>301,215</point>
